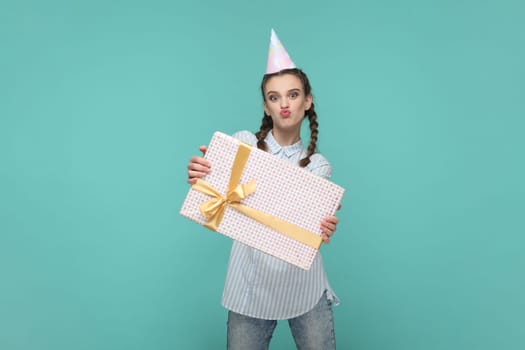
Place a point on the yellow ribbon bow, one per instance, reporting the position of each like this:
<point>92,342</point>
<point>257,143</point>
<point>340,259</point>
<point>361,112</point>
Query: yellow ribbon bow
<point>213,210</point>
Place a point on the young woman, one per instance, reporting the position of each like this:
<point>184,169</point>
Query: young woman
<point>259,288</point>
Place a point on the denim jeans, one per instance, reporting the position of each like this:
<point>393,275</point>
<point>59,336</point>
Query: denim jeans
<point>313,330</point>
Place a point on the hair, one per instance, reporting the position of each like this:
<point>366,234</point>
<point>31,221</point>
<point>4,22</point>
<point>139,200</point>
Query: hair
<point>267,123</point>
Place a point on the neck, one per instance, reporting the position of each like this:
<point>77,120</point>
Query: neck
<point>284,138</point>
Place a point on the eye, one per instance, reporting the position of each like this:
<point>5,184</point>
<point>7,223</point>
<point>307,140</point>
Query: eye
<point>294,95</point>
<point>273,98</point>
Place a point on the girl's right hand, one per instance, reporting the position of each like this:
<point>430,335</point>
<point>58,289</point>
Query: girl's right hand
<point>198,167</point>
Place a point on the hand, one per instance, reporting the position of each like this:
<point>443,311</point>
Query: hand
<point>198,167</point>
<point>328,227</point>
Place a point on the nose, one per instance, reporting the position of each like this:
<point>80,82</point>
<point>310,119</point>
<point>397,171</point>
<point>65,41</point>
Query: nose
<point>284,103</point>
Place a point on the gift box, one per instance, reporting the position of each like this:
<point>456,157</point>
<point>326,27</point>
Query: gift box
<point>262,201</point>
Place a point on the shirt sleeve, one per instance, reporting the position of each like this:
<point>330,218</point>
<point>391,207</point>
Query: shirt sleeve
<point>320,166</point>
<point>246,137</point>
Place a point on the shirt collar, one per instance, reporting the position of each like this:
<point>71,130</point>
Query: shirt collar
<point>274,147</point>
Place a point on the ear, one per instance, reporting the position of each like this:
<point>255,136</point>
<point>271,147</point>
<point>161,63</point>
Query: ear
<point>266,110</point>
<point>308,102</point>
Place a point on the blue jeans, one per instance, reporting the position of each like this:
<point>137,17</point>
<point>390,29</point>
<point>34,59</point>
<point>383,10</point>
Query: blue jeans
<point>313,330</point>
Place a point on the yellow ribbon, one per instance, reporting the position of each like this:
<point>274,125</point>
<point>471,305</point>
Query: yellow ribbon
<point>214,209</point>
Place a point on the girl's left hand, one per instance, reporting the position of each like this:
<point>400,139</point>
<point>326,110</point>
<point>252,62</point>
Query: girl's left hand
<point>328,227</point>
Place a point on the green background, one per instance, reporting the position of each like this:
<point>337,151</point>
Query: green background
<point>421,106</point>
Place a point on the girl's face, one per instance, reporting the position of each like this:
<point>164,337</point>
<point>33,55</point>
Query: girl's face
<point>285,102</point>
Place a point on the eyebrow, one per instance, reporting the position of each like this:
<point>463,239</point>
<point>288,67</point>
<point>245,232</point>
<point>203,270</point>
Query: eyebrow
<point>291,90</point>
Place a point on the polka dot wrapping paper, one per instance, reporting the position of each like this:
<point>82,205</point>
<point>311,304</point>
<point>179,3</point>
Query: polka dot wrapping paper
<point>283,190</point>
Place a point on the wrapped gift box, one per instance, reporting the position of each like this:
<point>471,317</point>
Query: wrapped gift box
<point>291,200</point>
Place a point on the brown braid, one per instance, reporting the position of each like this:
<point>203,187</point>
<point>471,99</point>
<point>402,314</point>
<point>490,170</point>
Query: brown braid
<point>312,117</point>
<point>267,123</point>
<point>266,126</point>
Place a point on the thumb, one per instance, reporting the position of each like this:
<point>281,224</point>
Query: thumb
<point>203,149</point>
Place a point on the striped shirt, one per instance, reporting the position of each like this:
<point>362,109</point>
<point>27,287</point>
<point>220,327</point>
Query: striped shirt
<point>261,286</point>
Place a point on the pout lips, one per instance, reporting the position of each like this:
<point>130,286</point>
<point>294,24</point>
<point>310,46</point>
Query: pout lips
<point>285,113</point>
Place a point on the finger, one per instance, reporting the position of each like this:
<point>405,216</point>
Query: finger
<point>203,149</point>
<point>331,219</point>
<point>200,161</point>
<point>328,229</point>
<point>330,226</point>
<point>198,168</point>
<point>330,222</point>
<point>192,180</point>
<point>197,163</point>
<point>328,233</point>
<point>325,238</point>
<point>196,174</point>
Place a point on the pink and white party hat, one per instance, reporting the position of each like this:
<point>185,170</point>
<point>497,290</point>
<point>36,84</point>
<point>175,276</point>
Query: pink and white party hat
<point>278,58</point>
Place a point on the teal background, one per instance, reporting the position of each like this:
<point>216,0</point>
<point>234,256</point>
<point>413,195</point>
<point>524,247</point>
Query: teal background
<point>421,107</point>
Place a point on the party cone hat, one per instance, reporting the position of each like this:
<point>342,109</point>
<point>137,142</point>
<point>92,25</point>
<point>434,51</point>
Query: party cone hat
<point>278,58</point>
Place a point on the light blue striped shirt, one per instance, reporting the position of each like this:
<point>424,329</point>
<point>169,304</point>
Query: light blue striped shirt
<point>259,285</point>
